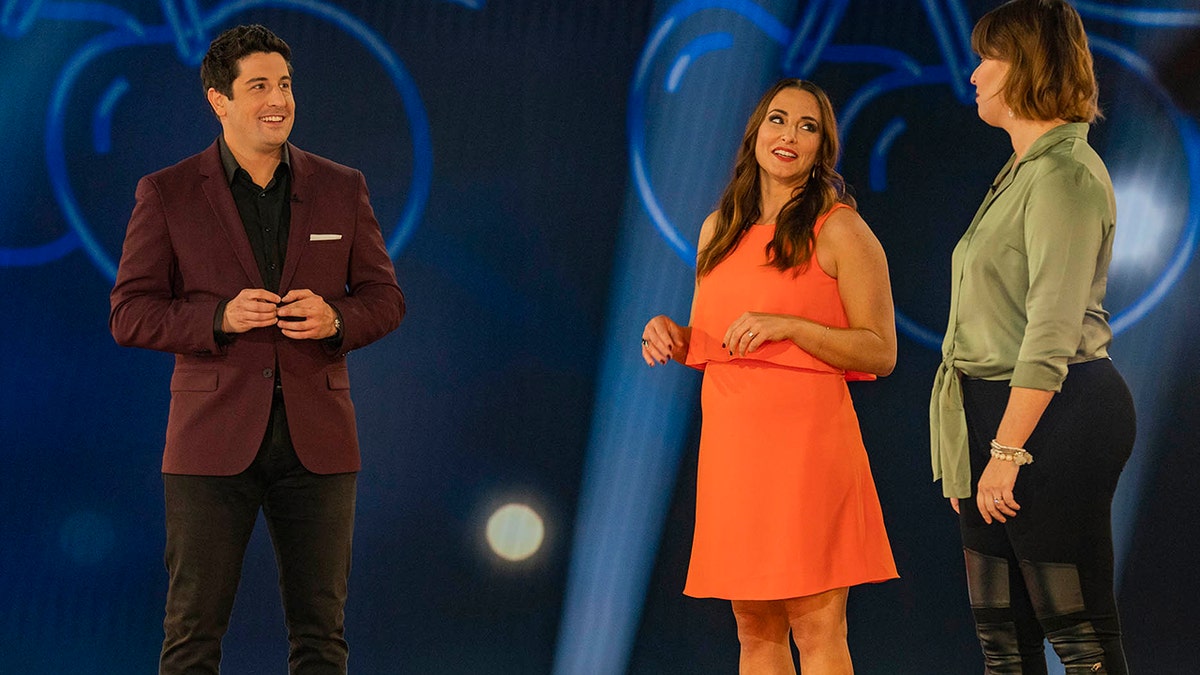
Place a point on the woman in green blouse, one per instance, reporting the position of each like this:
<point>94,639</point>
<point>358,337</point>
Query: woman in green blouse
<point>1025,371</point>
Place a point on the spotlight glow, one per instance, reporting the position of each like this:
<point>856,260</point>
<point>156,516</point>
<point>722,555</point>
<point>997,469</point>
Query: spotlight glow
<point>515,532</point>
<point>1145,231</point>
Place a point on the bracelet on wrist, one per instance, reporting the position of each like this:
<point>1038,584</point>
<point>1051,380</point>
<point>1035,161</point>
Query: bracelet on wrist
<point>1008,453</point>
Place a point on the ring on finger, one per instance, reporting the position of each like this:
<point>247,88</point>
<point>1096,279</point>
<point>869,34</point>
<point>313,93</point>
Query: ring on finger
<point>750,333</point>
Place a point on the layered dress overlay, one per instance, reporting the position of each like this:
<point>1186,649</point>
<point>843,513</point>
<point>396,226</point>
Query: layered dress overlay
<point>785,502</point>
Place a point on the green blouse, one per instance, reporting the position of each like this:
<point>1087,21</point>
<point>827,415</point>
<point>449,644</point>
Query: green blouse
<point>1027,281</point>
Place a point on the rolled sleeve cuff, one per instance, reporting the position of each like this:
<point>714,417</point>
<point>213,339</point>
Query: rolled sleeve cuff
<point>1039,375</point>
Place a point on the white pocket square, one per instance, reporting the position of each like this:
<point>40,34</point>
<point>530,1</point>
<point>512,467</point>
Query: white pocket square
<point>324,237</point>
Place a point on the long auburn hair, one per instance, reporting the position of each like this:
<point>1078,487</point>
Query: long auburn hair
<point>740,207</point>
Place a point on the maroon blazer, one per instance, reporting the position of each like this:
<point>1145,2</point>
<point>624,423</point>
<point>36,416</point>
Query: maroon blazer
<point>186,250</point>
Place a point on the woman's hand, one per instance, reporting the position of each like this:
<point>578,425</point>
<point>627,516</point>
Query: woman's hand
<point>1021,415</point>
<point>995,494</point>
<point>663,340</point>
<point>754,329</point>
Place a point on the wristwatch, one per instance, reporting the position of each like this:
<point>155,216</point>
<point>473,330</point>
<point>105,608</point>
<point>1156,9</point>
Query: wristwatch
<point>337,325</point>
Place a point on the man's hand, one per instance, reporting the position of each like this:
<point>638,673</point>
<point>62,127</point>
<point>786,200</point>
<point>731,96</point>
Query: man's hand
<point>252,308</point>
<point>313,317</point>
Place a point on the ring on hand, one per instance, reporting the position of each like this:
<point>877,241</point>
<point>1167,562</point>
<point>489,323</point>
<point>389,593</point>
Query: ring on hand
<point>751,334</point>
<point>995,501</point>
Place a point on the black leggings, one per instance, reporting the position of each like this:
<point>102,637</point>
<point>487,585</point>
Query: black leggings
<point>1048,572</point>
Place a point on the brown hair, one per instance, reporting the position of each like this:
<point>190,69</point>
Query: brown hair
<point>220,66</point>
<point>1050,72</point>
<point>740,205</point>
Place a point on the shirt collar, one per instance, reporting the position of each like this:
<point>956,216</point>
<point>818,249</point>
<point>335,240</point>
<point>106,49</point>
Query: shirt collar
<point>231,166</point>
<point>1062,132</point>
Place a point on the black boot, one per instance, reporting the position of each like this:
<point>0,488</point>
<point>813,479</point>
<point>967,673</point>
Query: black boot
<point>1007,649</point>
<point>1078,647</point>
<point>1075,635</point>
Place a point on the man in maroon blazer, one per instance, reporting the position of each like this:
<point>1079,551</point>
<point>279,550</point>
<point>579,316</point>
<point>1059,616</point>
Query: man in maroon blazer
<point>259,266</point>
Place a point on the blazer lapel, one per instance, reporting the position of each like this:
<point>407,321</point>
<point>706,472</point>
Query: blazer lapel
<point>220,199</point>
<point>303,201</point>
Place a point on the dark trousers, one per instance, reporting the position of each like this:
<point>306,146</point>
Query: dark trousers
<point>209,520</point>
<point>1048,572</point>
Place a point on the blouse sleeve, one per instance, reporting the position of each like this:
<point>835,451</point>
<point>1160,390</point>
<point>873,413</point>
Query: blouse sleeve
<point>1066,218</point>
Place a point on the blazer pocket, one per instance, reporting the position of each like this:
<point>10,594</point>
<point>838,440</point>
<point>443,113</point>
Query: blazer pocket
<point>194,380</point>
<point>338,379</point>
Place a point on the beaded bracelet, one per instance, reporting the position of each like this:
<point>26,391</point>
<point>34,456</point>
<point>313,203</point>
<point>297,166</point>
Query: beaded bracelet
<point>1008,453</point>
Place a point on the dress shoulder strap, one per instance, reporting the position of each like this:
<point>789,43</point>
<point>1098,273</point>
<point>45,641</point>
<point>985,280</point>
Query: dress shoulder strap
<point>825,216</point>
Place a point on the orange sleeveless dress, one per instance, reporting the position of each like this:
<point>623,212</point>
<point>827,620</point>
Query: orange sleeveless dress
<point>785,502</point>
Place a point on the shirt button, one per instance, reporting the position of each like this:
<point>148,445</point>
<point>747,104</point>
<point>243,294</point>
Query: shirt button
<point>262,194</point>
<point>268,373</point>
<point>271,266</point>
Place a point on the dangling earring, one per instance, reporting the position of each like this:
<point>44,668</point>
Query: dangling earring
<point>1010,113</point>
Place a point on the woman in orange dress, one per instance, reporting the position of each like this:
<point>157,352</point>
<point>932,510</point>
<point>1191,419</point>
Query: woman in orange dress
<point>792,299</point>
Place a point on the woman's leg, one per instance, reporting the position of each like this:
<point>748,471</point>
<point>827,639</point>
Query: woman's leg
<point>1008,630</point>
<point>762,627</point>
<point>1005,623</point>
<point>1063,535</point>
<point>818,624</point>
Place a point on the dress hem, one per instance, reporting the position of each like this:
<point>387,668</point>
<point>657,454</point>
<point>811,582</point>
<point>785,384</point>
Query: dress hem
<point>777,596</point>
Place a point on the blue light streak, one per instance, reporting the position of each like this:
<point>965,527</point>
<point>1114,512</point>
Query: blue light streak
<point>642,415</point>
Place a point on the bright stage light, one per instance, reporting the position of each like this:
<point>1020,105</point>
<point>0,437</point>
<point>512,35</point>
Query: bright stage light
<point>1146,227</point>
<point>515,532</point>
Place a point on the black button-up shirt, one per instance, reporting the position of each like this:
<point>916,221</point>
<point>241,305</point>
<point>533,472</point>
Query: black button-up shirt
<point>266,213</point>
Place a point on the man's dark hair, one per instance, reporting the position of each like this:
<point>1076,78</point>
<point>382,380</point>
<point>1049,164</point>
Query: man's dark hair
<point>220,66</point>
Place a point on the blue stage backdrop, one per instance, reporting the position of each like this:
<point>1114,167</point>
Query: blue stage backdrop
<point>540,170</point>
